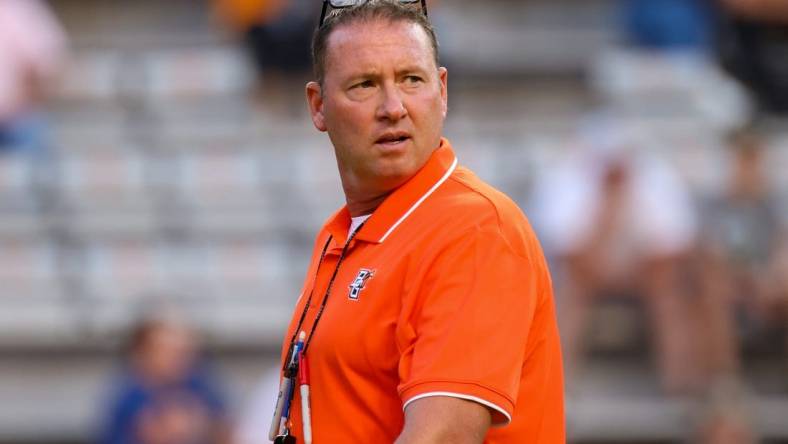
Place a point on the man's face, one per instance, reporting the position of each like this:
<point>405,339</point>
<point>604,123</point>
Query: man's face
<point>382,102</point>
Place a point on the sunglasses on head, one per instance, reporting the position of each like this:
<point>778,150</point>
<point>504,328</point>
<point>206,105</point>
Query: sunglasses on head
<point>339,4</point>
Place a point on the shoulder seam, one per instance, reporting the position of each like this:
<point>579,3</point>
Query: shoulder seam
<point>495,209</point>
<point>526,258</point>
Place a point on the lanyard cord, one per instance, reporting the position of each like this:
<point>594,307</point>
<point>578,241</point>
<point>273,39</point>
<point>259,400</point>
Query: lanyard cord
<point>308,303</point>
<point>325,296</point>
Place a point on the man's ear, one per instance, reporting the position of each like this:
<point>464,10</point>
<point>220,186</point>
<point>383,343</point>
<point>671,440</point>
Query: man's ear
<point>443,76</point>
<point>314,98</point>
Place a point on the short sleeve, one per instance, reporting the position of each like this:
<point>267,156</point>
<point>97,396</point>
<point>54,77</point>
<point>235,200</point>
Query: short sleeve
<point>475,302</point>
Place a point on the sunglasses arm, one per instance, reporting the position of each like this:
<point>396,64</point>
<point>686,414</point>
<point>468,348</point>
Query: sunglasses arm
<point>323,12</point>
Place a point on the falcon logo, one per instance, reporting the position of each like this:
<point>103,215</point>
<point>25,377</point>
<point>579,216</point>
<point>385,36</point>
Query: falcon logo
<point>358,283</point>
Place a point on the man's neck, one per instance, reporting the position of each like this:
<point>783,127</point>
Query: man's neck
<point>364,206</point>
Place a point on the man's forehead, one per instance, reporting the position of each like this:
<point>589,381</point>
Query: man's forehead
<point>354,39</point>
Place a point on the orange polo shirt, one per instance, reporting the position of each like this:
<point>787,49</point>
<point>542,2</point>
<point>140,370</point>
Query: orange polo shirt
<point>443,292</point>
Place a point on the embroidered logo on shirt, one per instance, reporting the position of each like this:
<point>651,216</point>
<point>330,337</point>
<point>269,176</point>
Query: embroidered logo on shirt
<point>358,283</point>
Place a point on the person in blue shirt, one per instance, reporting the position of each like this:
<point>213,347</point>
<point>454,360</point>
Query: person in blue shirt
<point>164,396</point>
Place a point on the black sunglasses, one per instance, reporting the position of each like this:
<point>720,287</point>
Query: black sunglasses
<point>339,4</point>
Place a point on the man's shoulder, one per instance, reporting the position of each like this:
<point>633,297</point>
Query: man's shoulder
<point>482,194</point>
<point>467,193</point>
<point>468,198</point>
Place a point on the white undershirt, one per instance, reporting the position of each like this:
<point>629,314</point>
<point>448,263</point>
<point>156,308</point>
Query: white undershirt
<point>355,222</point>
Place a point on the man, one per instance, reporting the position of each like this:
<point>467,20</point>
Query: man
<point>427,309</point>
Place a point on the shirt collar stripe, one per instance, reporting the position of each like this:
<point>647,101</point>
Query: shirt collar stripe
<point>418,202</point>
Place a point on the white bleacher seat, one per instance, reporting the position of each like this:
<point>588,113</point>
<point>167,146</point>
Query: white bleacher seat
<point>240,264</point>
<point>83,129</point>
<point>124,269</point>
<point>238,290</point>
<point>777,164</point>
<point>90,75</point>
<point>679,84</point>
<point>28,269</point>
<point>222,190</point>
<point>521,36</point>
<point>222,222</point>
<point>276,163</point>
<point>490,158</point>
<point>255,270</point>
<point>18,203</point>
<point>231,288</point>
<point>16,173</point>
<point>219,177</point>
<point>315,183</point>
<point>185,270</point>
<point>106,191</point>
<point>27,321</point>
<point>103,175</point>
<point>193,270</point>
<point>315,163</point>
<point>197,72</point>
<point>21,224</point>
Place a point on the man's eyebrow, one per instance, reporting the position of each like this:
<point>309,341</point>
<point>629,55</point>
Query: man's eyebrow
<point>374,74</point>
<point>371,74</point>
<point>411,70</point>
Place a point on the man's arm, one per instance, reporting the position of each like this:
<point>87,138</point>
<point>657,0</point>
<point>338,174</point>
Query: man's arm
<point>444,420</point>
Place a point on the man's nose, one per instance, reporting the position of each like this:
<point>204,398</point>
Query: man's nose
<point>392,106</point>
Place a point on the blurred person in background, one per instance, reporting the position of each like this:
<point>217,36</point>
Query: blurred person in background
<point>741,235</point>
<point>667,24</point>
<point>742,277</point>
<point>277,34</point>
<point>753,46</point>
<point>775,11</point>
<point>32,49</point>
<point>163,395</point>
<point>779,276</point>
<point>618,221</point>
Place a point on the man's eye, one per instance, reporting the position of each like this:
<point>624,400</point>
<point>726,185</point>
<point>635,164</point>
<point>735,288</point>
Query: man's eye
<point>413,79</point>
<point>364,84</point>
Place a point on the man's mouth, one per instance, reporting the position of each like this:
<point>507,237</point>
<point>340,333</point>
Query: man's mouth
<point>392,138</point>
